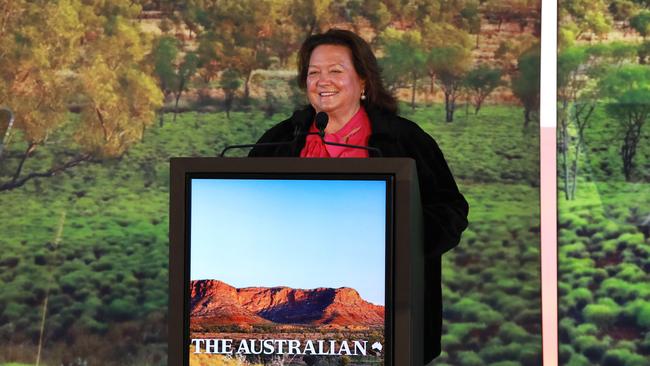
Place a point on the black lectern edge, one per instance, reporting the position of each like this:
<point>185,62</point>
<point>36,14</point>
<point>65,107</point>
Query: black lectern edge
<point>407,216</point>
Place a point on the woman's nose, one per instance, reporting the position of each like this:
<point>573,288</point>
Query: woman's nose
<point>323,78</point>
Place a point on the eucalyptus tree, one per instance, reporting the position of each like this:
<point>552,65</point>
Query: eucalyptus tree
<point>627,89</point>
<point>525,83</point>
<point>404,59</point>
<point>86,55</point>
<point>448,59</point>
<point>481,82</point>
<point>241,33</point>
<point>571,81</point>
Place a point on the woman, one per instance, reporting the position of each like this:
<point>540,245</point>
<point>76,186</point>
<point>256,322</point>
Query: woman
<point>341,77</point>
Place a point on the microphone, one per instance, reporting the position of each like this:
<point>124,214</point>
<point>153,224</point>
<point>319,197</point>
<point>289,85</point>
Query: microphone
<point>321,123</point>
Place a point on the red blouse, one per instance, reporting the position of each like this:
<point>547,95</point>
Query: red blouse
<point>355,132</point>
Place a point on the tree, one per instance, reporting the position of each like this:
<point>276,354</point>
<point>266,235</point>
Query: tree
<point>310,15</point>
<point>245,30</point>
<point>501,11</point>
<point>164,55</point>
<point>186,70</point>
<point>579,68</point>
<point>472,18</point>
<point>210,57</point>
<point>71,53</point>
<point>622,10</point>
<point>641,23</point>
<point>628,92</point>
<point>643,52</point>
<point>450,64</point>
<point>230,82</point>
<point>583,18</point>
<point>525,82</point>
<point>480,82</point>
<point>373,10</point>
<point>507,54</point>
<point>570,81</point>
<point>448,59</point>
<point>403,61</point>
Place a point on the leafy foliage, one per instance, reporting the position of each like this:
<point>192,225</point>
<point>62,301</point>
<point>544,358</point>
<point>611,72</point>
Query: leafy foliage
<point>64,53</point>
<point>525,84</point>
<point>628,89</point>
<point>480,82</point>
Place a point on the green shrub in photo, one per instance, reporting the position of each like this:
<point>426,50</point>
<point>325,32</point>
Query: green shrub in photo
<point>602,314</point>
<point>469,358</point>
<point>623,357</point>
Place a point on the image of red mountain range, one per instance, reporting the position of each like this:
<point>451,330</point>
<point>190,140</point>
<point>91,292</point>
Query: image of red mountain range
<point>214,302</point>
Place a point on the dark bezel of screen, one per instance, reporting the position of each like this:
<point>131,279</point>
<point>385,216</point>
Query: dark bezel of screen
<point>389,240</point>
<point>406,325</point>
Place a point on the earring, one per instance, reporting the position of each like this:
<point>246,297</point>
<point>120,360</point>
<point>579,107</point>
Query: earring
<point>363,95</point>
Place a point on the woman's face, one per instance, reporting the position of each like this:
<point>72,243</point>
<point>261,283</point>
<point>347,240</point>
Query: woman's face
<point>333,85</point>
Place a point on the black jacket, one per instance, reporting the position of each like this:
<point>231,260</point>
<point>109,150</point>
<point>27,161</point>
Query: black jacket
<point>444,207</point>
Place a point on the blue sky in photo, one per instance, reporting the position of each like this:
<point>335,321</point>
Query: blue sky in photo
<point>296,233</point>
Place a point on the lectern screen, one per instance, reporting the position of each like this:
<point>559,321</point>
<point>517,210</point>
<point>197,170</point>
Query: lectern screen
<point>287,270</point>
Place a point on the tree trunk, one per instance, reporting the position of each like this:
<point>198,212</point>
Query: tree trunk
<point>581,120</point>
<point>526,116</point>
<point>565,163</point>
<point>5,138</point>
<point>449,107</point>
<point>478,104</point>
<point>228,100</point>
<point>632,137</point>
<point>30,149</point>
<point>415,81</point>
<point>627,160</point>
<point>564,146</point>
<point>178,97</point>
<point>575,170</point>
<point>247,87</point>
<point>432,79</point>
<point>56,242</point>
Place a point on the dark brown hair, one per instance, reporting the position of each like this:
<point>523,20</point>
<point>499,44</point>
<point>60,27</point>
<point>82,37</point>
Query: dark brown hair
<point>365,64</point>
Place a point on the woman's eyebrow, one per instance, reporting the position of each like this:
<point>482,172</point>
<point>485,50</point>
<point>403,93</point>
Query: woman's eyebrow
<point>328,65</point>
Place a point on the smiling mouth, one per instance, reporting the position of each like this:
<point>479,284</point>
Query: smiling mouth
<point>327,94</point>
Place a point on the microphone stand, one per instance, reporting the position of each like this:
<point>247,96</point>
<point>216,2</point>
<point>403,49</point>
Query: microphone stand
<point>367,148</point>
<point>261,144</point>
<point>321,120</point>
<point>297,134</point>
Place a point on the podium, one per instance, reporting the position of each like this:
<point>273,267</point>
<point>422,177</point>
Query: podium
<point>304,261</point>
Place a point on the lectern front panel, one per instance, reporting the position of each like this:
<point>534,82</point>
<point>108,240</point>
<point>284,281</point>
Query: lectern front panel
<point>287,269</point>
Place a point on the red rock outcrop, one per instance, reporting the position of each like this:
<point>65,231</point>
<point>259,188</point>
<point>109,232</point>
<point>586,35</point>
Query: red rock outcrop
<point>217,303</point>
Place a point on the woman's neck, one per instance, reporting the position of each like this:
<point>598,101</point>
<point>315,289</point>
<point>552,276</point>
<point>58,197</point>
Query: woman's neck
<point>338,120</point>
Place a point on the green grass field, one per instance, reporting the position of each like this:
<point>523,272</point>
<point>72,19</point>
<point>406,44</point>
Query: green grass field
<point>604,299</point>
<point>96,237</point>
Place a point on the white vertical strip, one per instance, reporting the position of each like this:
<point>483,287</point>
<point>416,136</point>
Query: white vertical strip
<point>548,182</point>
<point>548,74</point>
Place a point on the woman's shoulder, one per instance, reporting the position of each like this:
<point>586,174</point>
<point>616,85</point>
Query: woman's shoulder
<point>286,129</point>
<point>397,126</point>
<point>278,132</point>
